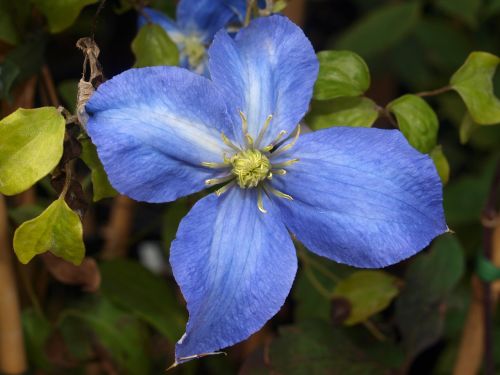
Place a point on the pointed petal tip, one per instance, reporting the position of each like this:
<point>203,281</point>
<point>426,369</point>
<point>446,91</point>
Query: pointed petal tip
<point>182,360</point>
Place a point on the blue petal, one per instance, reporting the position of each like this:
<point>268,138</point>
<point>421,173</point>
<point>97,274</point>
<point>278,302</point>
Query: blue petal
<point>235,266</point>
<point>203,17</point>
<point>269,68</point>
<point>240,7</point>
<point>153,127</point>
<point>363,197</point>
<point>165,22</point>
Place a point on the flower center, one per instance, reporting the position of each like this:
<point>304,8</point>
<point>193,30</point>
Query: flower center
<point>194,50</point>
<point>250,168</point>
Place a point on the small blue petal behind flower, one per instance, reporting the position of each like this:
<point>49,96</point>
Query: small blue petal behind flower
<point>153,127</point>
<point>269,69</point>
<point>235,267</point>
<point>204,17</point>
<point>363,197</point>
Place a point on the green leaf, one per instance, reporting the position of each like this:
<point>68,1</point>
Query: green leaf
<point>148,296</point>
<point>372,35</point>
<point>474,82</point>
<point>315,347</point>
<point>171,219</point>
<point>417,121</point>
<point>37,331</point>
<point>342,112</point>
<point>100,182</point>
<point>152,46</point>
<point>464,198</point>
<point>441,163</point>
<point>341,73</point>
<point>494,8</point>
<point>445,44</point>
<point>465,10</point>
<point>467,128</point>
<point>120,334</point>
<point>13,16</point>
<point>429,281</point>
<point>32,145</point>
<point>8,74</point>
<point>68,91</point>
<point>368,292</point>
<point>61,13</point>
<point>58,230</point>
<point>25,212</point>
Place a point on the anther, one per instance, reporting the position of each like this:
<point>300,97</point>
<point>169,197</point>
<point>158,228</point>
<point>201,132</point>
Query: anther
<point>289,145</point>
<point>260,203</point>
<point>225,188</point>
<point>228,143</point>
<point>217,181</point>
<point>270,189</point>
<point>285,163</point>
<point>280,172</point>
<point>263,130</point>
<point>269,147</point>
<point>209,164</point>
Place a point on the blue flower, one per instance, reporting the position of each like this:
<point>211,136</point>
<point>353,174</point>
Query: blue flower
<point>358,196</point>
<point>196,23</point>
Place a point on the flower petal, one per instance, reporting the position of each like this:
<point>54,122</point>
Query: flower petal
<point>203,17</point>
<point>153,127</point>
<point>235,266</point>
<point>363,197</point>
<point>165,22</point>
<point>240,7</point>
<point>268,69</point>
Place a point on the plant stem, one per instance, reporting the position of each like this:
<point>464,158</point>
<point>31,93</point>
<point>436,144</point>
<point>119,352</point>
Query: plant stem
<point>442,90</point>
<point>12,352</point>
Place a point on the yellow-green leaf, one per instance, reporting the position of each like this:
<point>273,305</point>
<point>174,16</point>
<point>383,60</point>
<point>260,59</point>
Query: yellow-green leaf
<point>342,112</point>
<point>474,82</point>
<point>467,128</point>
<point>417,121</point>
<point>341,73</point>
<point>61,13</point>
<point>100,182</point>
<point>31,146</point>
<point>441,163</point>
<point>58,230</point>
<point>368,292</point>
<point>152,46</point>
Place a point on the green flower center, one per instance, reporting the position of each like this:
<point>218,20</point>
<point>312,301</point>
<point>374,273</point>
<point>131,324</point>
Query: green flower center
<point>195,50</point>
<point>250,168</point>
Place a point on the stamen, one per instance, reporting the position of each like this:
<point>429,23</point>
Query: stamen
<point>209,164</point>
<point>217,181</point>
<point>225,188</point>
<point>285,163</point>
<point>290,145</point>
<point>263,130</point>
<point>244,124</point>
<point>280,172</point>
<point>260,204</point>
<point>270,189</point>
<point>271,145</point>
<point>229,143</point>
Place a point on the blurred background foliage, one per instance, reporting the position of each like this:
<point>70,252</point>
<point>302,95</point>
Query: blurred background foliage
<point>124,315</point>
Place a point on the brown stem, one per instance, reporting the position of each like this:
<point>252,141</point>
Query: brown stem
<point>117,233</point>
<point>12,352</point>
<point>48,83</point>
<point>442,90</point>
<point>295,10</point>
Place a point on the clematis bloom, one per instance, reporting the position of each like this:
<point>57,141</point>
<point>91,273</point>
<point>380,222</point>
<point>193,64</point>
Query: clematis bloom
<point>196,23</point>
<point>359,196</point>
